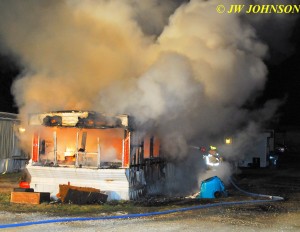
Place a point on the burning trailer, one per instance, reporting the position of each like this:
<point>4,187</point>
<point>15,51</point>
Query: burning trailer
<point>94,150</point>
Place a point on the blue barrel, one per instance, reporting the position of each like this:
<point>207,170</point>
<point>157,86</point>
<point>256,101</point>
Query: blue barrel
<point>212,188</point>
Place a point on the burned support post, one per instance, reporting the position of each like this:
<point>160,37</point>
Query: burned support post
<point>141,155</point>
<point>98,154</point>
<point>55,148</point>
<point>77,139</point>
<point>151,157</point>
<point>151,147</point>
<point>83,141</point>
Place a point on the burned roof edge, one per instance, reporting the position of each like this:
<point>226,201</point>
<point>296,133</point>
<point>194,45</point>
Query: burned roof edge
<point>80,119</point>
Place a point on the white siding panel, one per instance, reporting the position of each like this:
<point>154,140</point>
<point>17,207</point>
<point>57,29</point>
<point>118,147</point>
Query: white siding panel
<point>48,179</point>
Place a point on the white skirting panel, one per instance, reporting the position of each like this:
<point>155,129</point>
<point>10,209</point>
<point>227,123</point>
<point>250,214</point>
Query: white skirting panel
<point>112,181</point>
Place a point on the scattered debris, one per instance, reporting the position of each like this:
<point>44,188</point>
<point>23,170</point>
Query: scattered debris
<point>81,195</point>
<point>30,197</point>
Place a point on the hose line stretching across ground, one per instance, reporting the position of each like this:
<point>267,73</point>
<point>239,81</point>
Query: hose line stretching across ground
<point>128,216</point>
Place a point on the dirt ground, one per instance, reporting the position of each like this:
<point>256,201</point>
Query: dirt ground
<point>9,182</point>
<point>273,216</point>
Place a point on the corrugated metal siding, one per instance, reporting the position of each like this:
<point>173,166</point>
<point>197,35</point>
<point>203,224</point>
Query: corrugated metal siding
<point>171,181</point>
<point>12,159</point>
<point>11,165</point>
<point>6,139</point>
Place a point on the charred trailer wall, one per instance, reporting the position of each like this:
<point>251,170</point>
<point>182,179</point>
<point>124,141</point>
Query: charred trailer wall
<point>146,172</point>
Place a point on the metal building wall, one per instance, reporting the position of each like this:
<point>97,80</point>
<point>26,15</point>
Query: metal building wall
<point>12,159</point>
<point>6,139</point>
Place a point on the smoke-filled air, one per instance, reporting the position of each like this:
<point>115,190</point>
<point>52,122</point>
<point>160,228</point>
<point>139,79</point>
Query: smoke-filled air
<point>181,69</point>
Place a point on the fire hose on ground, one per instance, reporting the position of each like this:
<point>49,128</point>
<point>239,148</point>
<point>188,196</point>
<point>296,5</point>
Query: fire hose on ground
<point>268,198</point>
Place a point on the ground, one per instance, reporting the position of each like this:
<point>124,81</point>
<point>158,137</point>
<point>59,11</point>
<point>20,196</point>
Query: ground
<point>272,216</point>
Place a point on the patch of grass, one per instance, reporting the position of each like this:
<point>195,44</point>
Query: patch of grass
<point>11,180</point>
<point>58,209</point>
<point>4,198</point>
<point>12,177</point>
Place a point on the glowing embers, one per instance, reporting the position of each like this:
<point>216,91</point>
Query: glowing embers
<point>52,121</point>
<point>78,147</point>
<point>69,152</point>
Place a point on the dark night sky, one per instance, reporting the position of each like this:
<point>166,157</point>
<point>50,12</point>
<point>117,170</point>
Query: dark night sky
<point>283,82</point>
<point>8,72</point>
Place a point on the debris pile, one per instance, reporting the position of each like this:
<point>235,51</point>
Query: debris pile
<point>80,195</point>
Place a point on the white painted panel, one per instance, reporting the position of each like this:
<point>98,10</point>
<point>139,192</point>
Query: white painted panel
<point>48,179</point>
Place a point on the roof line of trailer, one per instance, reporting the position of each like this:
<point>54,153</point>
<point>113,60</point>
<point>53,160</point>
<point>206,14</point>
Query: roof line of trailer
<point>9,116</point>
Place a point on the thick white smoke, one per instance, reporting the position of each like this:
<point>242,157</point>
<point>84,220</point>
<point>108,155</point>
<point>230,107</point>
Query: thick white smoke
<point>186,73</point>
<point>204,72</point>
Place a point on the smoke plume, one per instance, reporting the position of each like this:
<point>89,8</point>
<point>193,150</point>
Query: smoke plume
<point>178,67</point>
